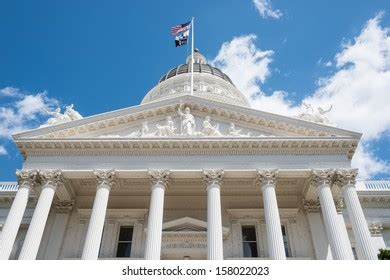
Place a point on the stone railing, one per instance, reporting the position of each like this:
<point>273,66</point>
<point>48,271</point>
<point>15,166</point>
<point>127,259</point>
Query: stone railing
<point>8,187</point>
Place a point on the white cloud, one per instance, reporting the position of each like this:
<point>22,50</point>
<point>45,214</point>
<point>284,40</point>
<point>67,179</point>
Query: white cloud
<point>23,111</point>
<point>264,7</point>
<point>3,151</point>
<point>358,88</point>
<point>9,91</point>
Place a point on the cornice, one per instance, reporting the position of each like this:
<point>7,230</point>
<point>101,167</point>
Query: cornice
<point>188,146</point>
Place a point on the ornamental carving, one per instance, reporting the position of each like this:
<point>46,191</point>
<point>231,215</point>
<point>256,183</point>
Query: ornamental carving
<point>322,176</point>
<point>339,204</point>
<point>159,177</point>
<point>267,176</point>
<point>26,178</point>
<point>375,228</point>
<point>106,177</point>
<point>64,206</point>
<point>51,177</point>
<point>213,176</point>
<point>311,205</point>
<point>346,176</point>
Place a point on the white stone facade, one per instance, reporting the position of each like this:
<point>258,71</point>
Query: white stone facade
<point>191,177</point>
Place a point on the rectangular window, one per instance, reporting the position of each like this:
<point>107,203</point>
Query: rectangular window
<point>249,242</point>
<point>285,241</point>
<point>124,242</point>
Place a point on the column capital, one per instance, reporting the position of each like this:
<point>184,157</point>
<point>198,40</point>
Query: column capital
<point>64,206</point>
<point>27,178</point>
<point>322,176</point>
<point>51,177</point>
<point>213,176</point>
<point>106,177</point>
<point>159,176</point>
<point>311,205</point>
<point>375,228</point>
<point>266,176</point>
<point>346,176</point>
<point>339,204</point>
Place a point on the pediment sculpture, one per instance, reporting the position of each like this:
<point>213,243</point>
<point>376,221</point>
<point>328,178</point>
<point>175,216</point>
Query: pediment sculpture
<point>57,118</point>
<point>187,127</point>
<point>317,116</point>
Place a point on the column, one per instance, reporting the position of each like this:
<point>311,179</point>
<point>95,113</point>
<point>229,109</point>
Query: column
<point>267,180</point>
<point>51,179</point>
<point>213,180</point>
<point>317,230</point>
<point>347,179</point>
<point>323,179</point>
<point>53,249</point>
<point>26,180</point>
<point>105,181</point>
<point>159,180</point>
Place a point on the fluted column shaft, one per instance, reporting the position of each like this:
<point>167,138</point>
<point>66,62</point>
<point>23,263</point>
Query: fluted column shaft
<point>272,221</point>
<point>213,181</point>
<point>15,215</point>
<point>338,239</point>
<point>155,220</point>
<point>98,214</point>
<point>346,179</point>
<point>267,179</point>
<point>38,222</point>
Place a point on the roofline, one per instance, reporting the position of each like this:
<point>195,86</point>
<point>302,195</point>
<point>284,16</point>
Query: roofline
<point>185,99</point>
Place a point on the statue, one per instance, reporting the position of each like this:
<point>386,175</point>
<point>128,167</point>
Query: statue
<point>143,132</point>
<point>57,118</point>
<point>236,132</point>
<point>187,121</point>
<point>317,116</point>
<point>71,113</point>
<point>167,129</point>
<point>209,129</point>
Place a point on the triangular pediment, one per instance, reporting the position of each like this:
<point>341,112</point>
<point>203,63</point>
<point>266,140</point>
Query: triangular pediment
<point>161,120</point>
<point>187,224</point>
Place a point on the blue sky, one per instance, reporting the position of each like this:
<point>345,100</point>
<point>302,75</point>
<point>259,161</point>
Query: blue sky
<point>106,55</point>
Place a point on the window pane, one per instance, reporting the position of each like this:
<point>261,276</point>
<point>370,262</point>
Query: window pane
<point>248,233</point>
<point>250,249</point>
<point>126,234</point>
<point>123,250</point>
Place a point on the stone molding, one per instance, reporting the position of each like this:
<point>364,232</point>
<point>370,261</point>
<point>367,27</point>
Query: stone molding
<point>64,206</point>
<point>311,205</point>
<point>267,176</point>
<point>346,177</point>
<point>106,177</point>
<point>27,178</point>
<point>159,176</point>
<point>51,177</point>
<point>375,228</point>
<point>187,146</point>
<point>213,176</point>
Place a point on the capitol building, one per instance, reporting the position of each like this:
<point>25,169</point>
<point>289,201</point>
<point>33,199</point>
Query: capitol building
<point>191,175</point>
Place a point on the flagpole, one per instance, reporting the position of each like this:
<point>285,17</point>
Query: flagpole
<point>192,56</point>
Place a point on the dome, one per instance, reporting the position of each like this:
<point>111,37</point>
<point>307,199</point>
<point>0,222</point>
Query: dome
<point>209,82</point>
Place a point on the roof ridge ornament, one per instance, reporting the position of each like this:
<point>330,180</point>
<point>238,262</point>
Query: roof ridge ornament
<point>57,118</point>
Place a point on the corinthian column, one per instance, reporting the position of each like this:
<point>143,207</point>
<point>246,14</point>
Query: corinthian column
<point>323,179</point>
<point>213,180</point>
<point>347,179</point>
<point>159,180</point>
<point>26,180</point>
<point>105,180</point>
<point>51,179</point>
<point>267,181</point>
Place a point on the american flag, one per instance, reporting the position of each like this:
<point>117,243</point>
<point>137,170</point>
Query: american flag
<point>180,28</point>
